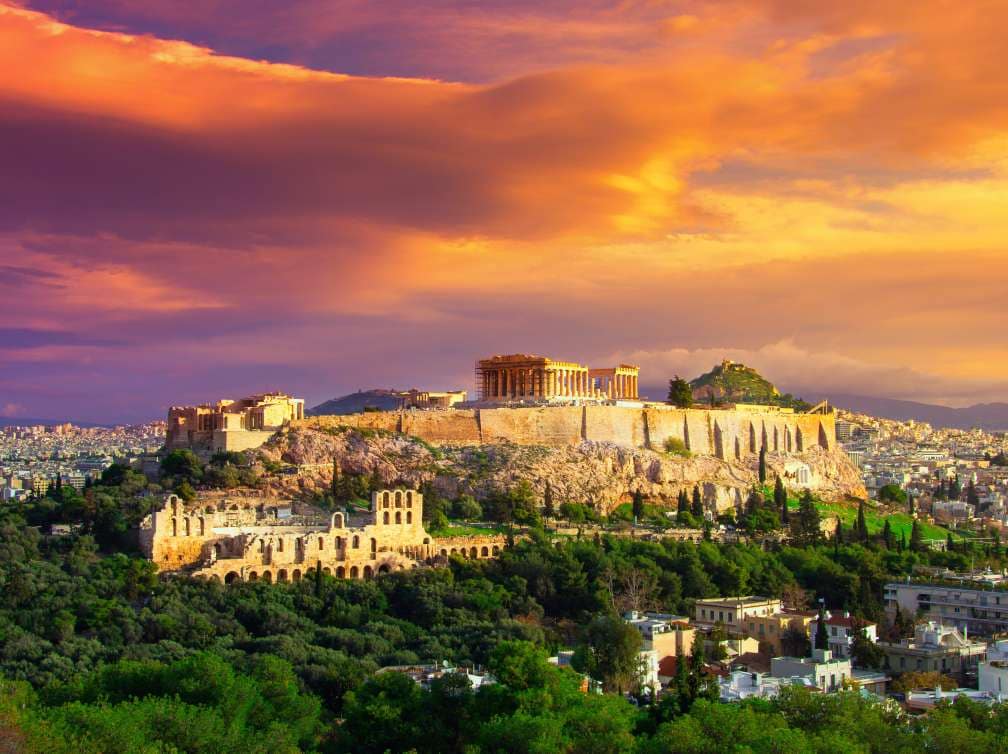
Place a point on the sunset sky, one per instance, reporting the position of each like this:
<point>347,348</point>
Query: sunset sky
<point>200,200</point>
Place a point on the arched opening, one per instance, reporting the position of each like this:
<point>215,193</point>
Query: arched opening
<point>356,541</point>
<point>385,517</point>
<point>454,551</point>
<point>738,450</point>
<point>340,572</point>
<point>383,568</point>
<point>398,517</point>
<point>799,440</point>
<point>409,499</point>
<point>374,545</point>
<point>231,577</point>
<point>267,577</point>
<point>484,552</point>
<point>279,544</point>
<point>262,545</point>
<point>202,526</point>
<point>473,552</point>
<point>253,576</point>
<point>385,498</point>
<point>398,498</point>
<point>321,543</point>
<point>823,439</point>
<point>327,572</point>
<point>174,527</point>
<point>368,573</point>
<point>353,572</point>
<point>718,442</point>
<point>296,576</point>
<point>409,517</point>
<point>495,550</point>
<point>787,439</point>
<point>281,575</point>
<point>444,553</point>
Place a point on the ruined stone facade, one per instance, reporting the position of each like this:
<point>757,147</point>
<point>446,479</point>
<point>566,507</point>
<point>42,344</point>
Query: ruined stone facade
<point>727,434</point>
<point>537,379</point>
<point>233,539</point>
<point>231,425</point>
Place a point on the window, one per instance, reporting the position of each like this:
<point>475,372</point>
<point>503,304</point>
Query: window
<point>321,543</point>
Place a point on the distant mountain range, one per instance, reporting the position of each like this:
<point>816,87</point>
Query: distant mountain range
<point>354,403</point>
<point>988,416</point>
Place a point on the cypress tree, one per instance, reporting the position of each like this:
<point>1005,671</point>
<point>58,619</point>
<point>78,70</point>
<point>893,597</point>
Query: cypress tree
<point>318,579</point>
<point>780,500</point>
<point>697,502</point>
<point>911,508</point>
<point>861,528</point>
<point>683,502</point>
<point>837,537</point>
<point>549,510</point>
<point>902,542</point>
<point>949,545</point>
<point>638,505</point>
<point>971,494</point>
<point>887,535</point>
<point>916,542</point>
<point>762,464</point>
<point>821,637</point>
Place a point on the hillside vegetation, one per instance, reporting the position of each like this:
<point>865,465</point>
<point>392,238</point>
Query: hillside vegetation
<point>729,382</point>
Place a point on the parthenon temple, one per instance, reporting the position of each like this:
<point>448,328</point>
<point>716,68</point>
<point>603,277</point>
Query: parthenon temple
<point>523,377</point>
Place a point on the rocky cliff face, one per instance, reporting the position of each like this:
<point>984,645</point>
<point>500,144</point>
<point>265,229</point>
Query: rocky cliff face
<point>601,474</point>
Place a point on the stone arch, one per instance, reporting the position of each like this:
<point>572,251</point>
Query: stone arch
<point>174,527</point>
<point>267,577</point>
<point>799,440</point>
<point>385,517</point>
<point>296,576</point>
<point>718,442</point>
<point>823,439</point>
<point>385,497</point>
<point>787,439</point>
<point>765,438</point>
<point>262,545</point>
<point>174,503</point>
<point>368,572</point>
<point>253,576</point>
<point>454,551</point>
<point>384,568</point>
<point>398,517</point>
<point>409,517</point>
<point>374,545</point>
<point>738,449</point>
<point>340,572</point>
<point>186,527</point>
<point>444,553</point>
<point>473,553</point>
<point>231,577</point>
<point>336,521</point>
<point>281,575</point>
<point>202,526</point>
<point>217,551</point>
<point>495,550</point>
<point>327,571</point>
<point>356,541</point>
<point>338,543</point>
<point>484,552</point>
<point>211,509</point>
<point>321,543</point>
<point>353,572</point>
<point>409,498</point>
<point>752,438</point>
<point>398,498</point>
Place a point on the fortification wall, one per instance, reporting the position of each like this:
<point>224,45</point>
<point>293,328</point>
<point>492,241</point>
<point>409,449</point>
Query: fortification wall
<point>442,426</point>
<point>561,425</point>
<point>722,433</point>
<point>615,424</point>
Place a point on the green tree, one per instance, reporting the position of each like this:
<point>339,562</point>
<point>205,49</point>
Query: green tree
<point>762,464</point>
<point>805,525</point>
<point>780,500</point>
<point>182,464</point>
<point>864,652</point>
<point>821,633</point>
<point>887,535</point>
<point>916,540</point>
<point>467,508</point>
<point>549,507</point>
<point>638,505</point>
<point>680,393</point>
<point>609,653</point>
<point>697,507</point>
<point>971,493</point>
<point>893,494</point>
<point>861,527</point>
